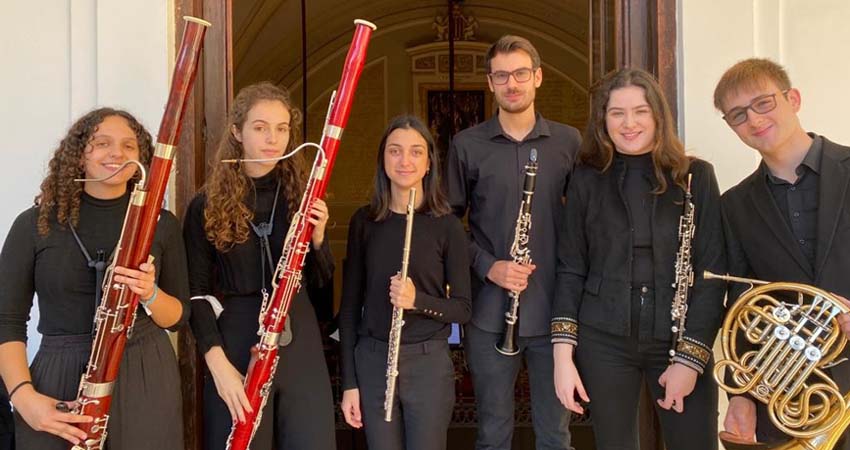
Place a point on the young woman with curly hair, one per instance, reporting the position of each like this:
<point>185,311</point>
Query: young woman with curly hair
<point>55,250</point>
<point>234,231</point>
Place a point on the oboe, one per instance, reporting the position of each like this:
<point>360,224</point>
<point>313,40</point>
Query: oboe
<point>394,340</point>
<point>286,281</point>
<point>116,315</point>
<point>684,270</point>
<point>521,254</point>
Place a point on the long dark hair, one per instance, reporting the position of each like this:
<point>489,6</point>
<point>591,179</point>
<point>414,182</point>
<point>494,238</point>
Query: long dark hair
<point>435,202</point>
<point>226,213</point>
<point>60,195</point>
<point>668,153</point>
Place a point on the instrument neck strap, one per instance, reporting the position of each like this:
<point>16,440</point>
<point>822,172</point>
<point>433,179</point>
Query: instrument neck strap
<point>98,263</point>
<point>263,230</point>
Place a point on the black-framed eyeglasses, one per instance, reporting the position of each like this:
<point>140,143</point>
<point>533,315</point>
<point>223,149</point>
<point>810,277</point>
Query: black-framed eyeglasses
<point>521,75</point>
<point>761,105</point>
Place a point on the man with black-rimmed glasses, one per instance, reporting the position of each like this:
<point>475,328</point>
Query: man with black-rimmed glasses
<point>485,178</point>
<point>790,219</point>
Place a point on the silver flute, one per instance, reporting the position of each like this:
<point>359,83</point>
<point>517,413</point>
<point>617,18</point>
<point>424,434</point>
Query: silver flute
<point>521,254</point>
<point>394,340</point>
<point>684,270</point>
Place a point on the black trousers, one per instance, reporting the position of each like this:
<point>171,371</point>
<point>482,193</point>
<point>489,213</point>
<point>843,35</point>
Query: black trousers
<point>494,376</point>
<point>613,368</point>
<point>146,410</point>
<point>299,412</point>
<point>424,397</point>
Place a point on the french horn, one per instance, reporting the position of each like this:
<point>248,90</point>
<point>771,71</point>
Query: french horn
<point>777,341</point>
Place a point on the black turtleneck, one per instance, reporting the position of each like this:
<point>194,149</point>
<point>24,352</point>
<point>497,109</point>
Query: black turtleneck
<point>236,274</point>
<point>638,181</point>
<point>54,268</point>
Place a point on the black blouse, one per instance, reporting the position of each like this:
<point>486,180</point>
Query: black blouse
<point>54,268</point>
<point>236,273</point>
<point>438,257</point>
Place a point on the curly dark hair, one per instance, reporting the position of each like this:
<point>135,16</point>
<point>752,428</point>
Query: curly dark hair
<point>226,215</point>
<point>60,195</point>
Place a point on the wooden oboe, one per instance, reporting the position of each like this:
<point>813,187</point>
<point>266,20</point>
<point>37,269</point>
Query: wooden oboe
<point>684,270</point>
<point>394,340</point>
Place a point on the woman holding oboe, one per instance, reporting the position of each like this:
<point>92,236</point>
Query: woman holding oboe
<point>58,250</point>
<point>618,250</point>
<point>434,295</point>
<point>234,231</point>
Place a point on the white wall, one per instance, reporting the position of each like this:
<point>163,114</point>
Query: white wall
<point>62,58</point>
<point>810,38</point>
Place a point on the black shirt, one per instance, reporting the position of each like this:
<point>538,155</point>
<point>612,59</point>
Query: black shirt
<point>486,170</point>
<point>53,267</point>
<point>798,201</point>
<point>236,273</point>
<point>638,178</point>
<point>437,258</point>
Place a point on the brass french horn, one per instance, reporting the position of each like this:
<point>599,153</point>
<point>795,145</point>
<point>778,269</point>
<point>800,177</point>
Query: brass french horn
<point>791,336</point>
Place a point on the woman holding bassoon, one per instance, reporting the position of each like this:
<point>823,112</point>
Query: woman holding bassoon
<point>234,230</point>
<point>420,409</point>
<point>55,250</point>
<point>626,258</point>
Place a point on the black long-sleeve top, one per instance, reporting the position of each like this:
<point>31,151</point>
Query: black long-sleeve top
<point>485,175</point>
<point>438,257</point>
<point>638,180</point>
<point>54,268</point>
<point>237,272</point>
<point>595,254</point>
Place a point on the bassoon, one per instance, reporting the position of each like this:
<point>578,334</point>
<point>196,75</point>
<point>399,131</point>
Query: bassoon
<point>286,281</point>
<point>115,316</point>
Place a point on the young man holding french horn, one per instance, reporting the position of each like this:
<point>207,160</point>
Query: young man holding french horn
<point>786,222</point>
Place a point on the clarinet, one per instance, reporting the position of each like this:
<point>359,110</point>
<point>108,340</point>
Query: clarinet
<point>394,340</point>
<point>521,254</point>
<point>286,281</point>
<point>684,270</point>
<point>116,315</point>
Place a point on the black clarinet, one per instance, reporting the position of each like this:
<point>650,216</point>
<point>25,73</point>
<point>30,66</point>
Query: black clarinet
<point>521,254</point>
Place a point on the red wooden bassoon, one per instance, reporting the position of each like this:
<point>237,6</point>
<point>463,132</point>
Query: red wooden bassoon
<point>287,277</point>
<point>115,316</point>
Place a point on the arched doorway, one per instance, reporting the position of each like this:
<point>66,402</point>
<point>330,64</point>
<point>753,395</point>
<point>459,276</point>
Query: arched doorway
<point>413,66</point>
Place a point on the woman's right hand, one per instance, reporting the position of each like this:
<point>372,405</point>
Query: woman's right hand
<point>40,413</point>
<point>351,407</point>
<point>229,383</point>
<point>567,380</point>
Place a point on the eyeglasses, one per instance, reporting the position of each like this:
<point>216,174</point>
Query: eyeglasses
<point>762,104</point>
<point>521,75</point>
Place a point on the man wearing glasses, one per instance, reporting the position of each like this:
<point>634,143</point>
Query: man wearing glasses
<point>790,219</point>
<point>485,178</point>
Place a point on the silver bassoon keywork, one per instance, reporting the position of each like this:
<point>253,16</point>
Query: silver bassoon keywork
<point>394,340</point>
<point>684,270</point>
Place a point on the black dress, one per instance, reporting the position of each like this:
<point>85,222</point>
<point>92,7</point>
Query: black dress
<point>54,268</point>
<point>299,411</point>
